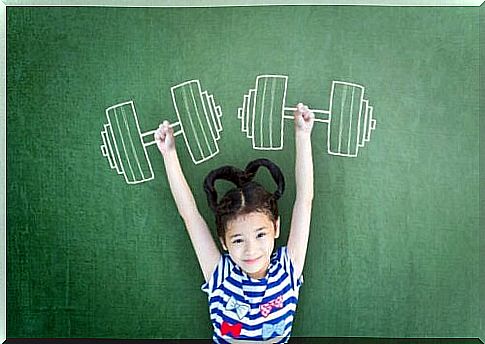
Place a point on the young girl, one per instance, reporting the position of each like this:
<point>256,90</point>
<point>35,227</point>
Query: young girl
<point>252,291</point>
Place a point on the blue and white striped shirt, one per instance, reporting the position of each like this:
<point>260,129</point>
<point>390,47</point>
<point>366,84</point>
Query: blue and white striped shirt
<point>247,309</point>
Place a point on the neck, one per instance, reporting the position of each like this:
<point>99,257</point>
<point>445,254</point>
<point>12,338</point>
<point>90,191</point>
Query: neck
<point>258,274</point>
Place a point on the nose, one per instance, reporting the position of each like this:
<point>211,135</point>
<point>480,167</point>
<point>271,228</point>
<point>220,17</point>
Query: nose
<point>250,248</point>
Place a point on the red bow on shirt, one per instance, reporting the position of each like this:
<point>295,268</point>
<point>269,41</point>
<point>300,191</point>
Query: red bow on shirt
<point>234,330</point>
<point>266,308</point>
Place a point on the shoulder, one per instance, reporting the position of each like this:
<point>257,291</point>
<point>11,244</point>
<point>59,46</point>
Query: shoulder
<point>222,270</point>
<point>282,256</point>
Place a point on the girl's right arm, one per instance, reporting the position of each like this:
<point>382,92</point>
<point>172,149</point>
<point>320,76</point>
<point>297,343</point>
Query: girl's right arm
<point>204,245</point>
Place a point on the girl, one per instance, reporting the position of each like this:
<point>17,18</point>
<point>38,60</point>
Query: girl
<point>252,291</point>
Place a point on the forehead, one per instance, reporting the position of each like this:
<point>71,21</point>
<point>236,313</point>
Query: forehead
<point>249,222</point>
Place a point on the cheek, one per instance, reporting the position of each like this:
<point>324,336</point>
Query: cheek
<point>269,243</point>
<point>235,249</point>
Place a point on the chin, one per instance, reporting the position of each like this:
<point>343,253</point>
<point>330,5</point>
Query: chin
<point>255,269</point>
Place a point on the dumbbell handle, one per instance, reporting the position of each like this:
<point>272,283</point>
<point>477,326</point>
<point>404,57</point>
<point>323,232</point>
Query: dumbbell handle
<point>320,115</point>
<point>148,139</point>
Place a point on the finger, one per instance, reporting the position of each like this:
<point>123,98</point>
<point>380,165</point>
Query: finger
<point>308,115</point>
<point>164,127</point>
<point>168,127</point>
<point>163,131</point>
<point>300,107</point>
<point>158,134</point>
<point>305,110</point>
<point>299,121</point>
<point>299,112</point>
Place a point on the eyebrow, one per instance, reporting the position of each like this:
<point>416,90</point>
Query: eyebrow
<point>240,235</point>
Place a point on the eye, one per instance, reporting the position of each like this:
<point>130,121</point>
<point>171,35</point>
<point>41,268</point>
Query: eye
<point>262,234</point>
<point>237,241</point>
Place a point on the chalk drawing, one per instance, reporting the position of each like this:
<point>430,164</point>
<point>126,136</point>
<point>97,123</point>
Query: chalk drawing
<point>124,145</point>
<point>349,118</point>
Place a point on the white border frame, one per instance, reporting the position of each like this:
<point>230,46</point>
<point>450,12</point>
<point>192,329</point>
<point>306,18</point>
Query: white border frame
<point>139,3</point>
<point>243,3</point>
<point>3,172</point>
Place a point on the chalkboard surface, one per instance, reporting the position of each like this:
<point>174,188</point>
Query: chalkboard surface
<point>394,249</point>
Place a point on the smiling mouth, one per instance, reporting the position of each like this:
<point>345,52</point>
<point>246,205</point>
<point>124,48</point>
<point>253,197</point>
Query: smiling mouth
<point>251,261</point>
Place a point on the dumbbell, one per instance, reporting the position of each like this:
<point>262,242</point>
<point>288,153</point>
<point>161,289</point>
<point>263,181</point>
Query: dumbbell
<point>350,118</point>
<point>124,145</point>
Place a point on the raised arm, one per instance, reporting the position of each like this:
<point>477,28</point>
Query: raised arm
<point>302,209</point>
<point>204,245</point>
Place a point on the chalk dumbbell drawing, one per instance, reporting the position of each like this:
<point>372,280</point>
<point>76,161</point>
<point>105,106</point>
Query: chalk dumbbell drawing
<point>349,118</point>
<point>124,145</point>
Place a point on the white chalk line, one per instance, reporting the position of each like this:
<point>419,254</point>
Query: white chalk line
<point>342,102</point>
<point>112,150</point>
<point>145,153</point>
<point>349,136</point>
<point>123,146</point>
<point>118,163</point>
<point>193,127</point>
<point>200,120</point>
<point>250,114</point>
<point>209,116</point>
<point>216,110</point>
<point>271,114</point>
<point>361,139</point>
<point>262,114</point>
<point>315,112</point>
<point>247,115</point>
<point>285,84</point>
<point>111,154</point>
<point>133,150</point>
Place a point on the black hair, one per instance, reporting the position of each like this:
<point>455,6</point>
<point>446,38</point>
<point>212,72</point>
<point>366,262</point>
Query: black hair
<point>247,197</point>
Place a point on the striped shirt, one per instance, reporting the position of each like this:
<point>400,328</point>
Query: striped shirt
<point>245,309</point>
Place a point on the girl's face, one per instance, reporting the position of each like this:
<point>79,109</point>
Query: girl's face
<point>250,242</point>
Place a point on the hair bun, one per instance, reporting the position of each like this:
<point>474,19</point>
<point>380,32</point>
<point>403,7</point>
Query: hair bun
<point>253,166</point>
<point>229,173</point>
<point>240,178</point>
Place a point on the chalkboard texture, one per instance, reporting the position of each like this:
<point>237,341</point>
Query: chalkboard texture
<point>394,243</point>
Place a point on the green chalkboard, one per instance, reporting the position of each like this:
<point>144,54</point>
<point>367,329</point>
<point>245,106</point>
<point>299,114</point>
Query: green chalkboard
<point>393,250</point>
<point>482,178</point>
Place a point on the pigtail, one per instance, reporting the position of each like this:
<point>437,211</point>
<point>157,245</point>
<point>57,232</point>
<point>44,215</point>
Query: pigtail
<point>248,196</point>
<point>275,171</point>
<point>228,173</point>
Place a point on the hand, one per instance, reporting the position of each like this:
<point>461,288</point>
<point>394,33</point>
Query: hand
<point>164,138</point>
<point>304,119</point>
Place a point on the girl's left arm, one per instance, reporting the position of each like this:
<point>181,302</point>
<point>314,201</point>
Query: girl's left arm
<point>302,209</point>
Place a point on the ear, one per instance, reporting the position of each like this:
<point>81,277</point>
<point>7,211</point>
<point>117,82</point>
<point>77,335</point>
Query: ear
<point>277,227</point>
<point>223,244</point>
